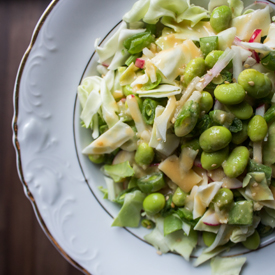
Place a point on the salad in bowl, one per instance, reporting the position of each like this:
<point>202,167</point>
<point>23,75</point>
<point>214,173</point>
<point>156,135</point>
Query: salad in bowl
<point>182,119</point>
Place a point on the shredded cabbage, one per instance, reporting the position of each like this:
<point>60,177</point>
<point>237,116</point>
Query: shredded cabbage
<point>227,266</point>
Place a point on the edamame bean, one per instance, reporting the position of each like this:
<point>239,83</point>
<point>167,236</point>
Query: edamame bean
<point>153,203</point>
<point>196,67</point>
<point>241,136</point>
<point>213,57</point>
<point>236,163</point>
<point>211,161</point>
<point>223,198</point>
<point>97,159</point>
<point>215,138</point>
<point>230,94</point>
<point>144,154</point>
<point>206,102</point>
<point>242,110</point>
<point>257,128</point>
<point>208,238</point>
<point>256,84</point>
<point>220,18</point>
<point>179,197</point>
<point>252,242</point>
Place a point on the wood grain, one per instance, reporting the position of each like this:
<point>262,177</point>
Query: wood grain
<point>24,248</point>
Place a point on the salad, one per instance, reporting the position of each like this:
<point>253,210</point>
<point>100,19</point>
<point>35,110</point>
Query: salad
<point>182,116</point>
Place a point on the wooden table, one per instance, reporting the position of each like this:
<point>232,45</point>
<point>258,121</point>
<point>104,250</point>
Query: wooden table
<point>24,248</point>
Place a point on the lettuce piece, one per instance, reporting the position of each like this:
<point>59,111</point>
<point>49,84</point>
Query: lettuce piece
<point>268,217</point>
<point>121,53</point>
<point>129,75</point>
<point>111,47</point>
<point>240,233</point>
<point>204,196</point>
<point>119,171</point>
<point>137,12</point>
<point>154,139</point>
<point>136,115</point>
<point>163,90</point>
<point>171,60</point>
<point>162,122</point>
<point>256,187</point>
<point>236,7</point>
<point>175,242</point>
<point>168,147</point>
<point>91,107</point>
<point>112,139</point>
<point>129,214</point>
<point>104,191</point>
<point>194,14</point>
<point>109,105</point>
<point>258,47</point>
<point>226,38</point>
<point>89,97</point>
<point>95,126</point>
<point>247,23</point>
<point>182,244</point>
<point>270,39</point>
<point>185,31</point>
<point>113,188</point>
<point>200,226</point>
<point>171,224</point>
<point>221,266</point>
<point>161,8</point>
<point>222,237</point>
<point>156,237</point>
<point>205,256</point>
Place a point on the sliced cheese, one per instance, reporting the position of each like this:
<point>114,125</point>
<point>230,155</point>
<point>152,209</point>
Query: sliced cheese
<point>171,167</point>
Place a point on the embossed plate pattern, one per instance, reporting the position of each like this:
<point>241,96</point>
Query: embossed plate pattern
<point>47,137</point>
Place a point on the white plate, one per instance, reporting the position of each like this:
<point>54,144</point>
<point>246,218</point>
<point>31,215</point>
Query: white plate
<point>61,183</point>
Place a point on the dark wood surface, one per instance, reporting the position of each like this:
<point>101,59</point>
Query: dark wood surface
<point>24,248</point>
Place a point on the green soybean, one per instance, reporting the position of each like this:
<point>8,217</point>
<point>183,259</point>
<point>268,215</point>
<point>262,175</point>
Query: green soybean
<point>270,114</point>
<point>97,159</point>
<point>154,203</point>
<point>214,160</point>
<point>230,94</point>
<point>220,18</point>
<point>242,110</point>
<point>212,58</point>
<point>236,163</point>
<point>206,102</point>
<point>223,198</point>
<point>257,128</point>
<point>269,61</point>
<point>144,154</point>
<point>196,67</point>
<point>241,136</point>
<point>179,197</point>
<point>252,242</point>
<point>256,84</point>
<point>209,44</point>
<point>208,238</point>
<point>215,138</point>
